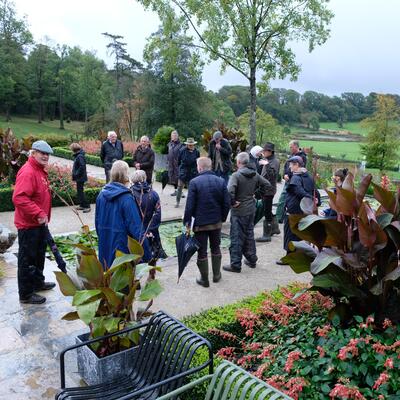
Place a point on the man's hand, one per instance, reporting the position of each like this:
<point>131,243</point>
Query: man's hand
<point>43,221</point>
<point>218,146</point>
<point>137,165</point>
<point>236,205</point>
<point>286,177</point>
<point>263,162</point>
<point>187,230</point>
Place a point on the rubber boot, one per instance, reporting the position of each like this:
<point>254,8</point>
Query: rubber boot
<point>216,267</point>
<point>267,229</point>
<point>178,196</point>
<point>203,268</point>
<point>275,226</point>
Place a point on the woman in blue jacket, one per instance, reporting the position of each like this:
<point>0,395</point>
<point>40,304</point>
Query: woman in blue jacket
<point>117,217</point>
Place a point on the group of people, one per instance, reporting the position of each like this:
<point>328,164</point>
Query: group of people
<point>127,205</point>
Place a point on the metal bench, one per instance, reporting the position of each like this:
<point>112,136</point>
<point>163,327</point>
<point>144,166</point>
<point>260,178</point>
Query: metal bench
<point>164,359</point>
<point>230,382</point>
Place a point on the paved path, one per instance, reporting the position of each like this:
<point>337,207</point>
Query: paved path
<point>32,336</point>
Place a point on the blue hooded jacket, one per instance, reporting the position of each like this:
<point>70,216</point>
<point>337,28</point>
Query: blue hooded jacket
<point>117,216</point>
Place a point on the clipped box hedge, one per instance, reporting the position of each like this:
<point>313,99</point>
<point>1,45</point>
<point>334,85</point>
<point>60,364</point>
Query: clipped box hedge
<point>65,152</point>
<point>6,203</point>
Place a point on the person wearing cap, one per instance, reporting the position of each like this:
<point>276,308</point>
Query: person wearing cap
<point>270,171</point>
<point>187,166</point>
<point>295,150</point>
<point>174,147</point>
<point>32,202</point>
<point>220,152</point>
<point>143,158</point>
<point>300,186</point>
<point>242,185</point>
<point>111,150</point>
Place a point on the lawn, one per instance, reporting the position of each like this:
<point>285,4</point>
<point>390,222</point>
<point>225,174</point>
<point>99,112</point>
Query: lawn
<point>29,126</point>
<point>351,150</point>
<point>353,127</point>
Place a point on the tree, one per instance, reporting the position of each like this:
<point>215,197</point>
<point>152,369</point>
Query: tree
<point>250,36</point>
<point>268,129</point>
<point>383,139</point>
<point>14,40</point>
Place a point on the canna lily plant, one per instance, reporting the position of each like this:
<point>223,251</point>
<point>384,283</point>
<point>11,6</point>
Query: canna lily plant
<point>353,258</point>
<point>105,301</point>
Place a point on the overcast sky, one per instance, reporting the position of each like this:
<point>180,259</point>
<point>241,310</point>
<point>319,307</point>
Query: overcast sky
<point>362,54</point>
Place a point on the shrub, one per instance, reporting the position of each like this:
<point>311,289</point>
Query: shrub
<point>162,138</point>
<point>53,140</point>
<point>291,345</point>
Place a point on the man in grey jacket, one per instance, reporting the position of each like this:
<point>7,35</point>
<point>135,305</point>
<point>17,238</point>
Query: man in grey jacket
<point>242,185</point>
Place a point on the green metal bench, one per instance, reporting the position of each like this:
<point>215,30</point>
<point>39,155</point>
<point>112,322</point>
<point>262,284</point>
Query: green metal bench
<point>230,382</point>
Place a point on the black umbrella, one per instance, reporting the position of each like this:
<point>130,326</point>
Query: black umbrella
<point>54,249</point>
<point>186,246</point>
<point>164,179</point>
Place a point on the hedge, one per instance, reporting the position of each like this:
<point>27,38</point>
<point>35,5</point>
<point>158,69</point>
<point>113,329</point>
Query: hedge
<point>6,203</point>
<point>65,152</point>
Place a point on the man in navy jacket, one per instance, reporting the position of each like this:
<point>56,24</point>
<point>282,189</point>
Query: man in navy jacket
<point>208,203</point>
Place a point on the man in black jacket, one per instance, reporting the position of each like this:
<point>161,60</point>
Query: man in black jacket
<point>270,171</point>
<point>241,187</point>
<point>79,175</point>
<point>208,203</point>
<point>111,150</point>
<point>220,152</point>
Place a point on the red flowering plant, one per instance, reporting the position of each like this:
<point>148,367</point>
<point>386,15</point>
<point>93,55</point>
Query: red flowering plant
<point>353,258</point>
<point>94,146</point>
<point>291,345</point>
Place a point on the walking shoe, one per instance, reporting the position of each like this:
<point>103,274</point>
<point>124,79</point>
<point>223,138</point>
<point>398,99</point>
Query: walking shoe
<point>86,210</point>
<point>33,299</point>
<point>173,194</point>
<point>229,268</point>
<point>80,208</point>
<point>46,286</point>
<point>183,196</point>
<point>249,264</point>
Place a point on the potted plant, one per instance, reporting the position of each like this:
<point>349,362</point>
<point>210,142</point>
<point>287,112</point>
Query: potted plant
<point>104,301</point>
<point>353,258</point>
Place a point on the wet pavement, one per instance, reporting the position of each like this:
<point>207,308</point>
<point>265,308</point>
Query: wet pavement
<point>32,336</point>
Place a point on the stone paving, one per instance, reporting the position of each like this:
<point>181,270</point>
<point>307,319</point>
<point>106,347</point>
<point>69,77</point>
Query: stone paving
<point>32,336</point>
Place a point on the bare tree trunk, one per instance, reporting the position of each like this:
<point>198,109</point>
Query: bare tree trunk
<point>8,115</point>
<point>61,105</point>
<point>253,106</point>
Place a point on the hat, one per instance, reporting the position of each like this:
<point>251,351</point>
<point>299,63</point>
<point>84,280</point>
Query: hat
<point>217,135</point>
<point>190,140</point>
<point>269,146</point>
<point>42,146</point>
<point>296,159</point>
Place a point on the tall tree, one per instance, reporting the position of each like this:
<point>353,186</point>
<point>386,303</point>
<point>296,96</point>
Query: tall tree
<point>383,140</point>
<point>252,35</point>
<point>14,40</point>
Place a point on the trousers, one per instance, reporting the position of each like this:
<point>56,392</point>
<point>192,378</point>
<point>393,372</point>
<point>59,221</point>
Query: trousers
<point>215,241</point>
<point>31,257</point>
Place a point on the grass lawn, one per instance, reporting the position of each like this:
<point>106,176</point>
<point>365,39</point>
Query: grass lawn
<point>353,127</point>
<point>335,149</point>
<point>25,126</point>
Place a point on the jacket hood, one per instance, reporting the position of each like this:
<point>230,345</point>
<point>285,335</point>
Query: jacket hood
<point>140,186</point>
<point>113,190</point>
<point>81,151</point>
<point>247,172</point>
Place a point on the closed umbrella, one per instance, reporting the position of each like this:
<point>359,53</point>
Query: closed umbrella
<point>56,253</point>
<point>164,179</point>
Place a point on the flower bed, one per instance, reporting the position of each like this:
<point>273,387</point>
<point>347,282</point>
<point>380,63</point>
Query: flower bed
<point>291,345</point>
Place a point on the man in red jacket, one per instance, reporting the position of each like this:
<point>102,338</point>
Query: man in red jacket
<point>32,201</point>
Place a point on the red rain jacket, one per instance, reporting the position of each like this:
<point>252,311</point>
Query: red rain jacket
<point>32,196</point>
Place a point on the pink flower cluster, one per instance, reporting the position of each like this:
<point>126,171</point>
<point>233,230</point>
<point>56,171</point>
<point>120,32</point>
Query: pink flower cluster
<point>224,335</point>
<point>322,332</point>
<point>383,378</point>
<point>94,146</point>
<point>293,387</point>
<point>248,320</point>
<point>292,357</point>
<point>346,392</point>
<point>350,348</point>
<point>228,353</point>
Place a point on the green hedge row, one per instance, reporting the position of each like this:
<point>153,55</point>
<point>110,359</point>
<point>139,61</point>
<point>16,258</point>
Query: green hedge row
<point>6,203</point>
<point>65,152</point>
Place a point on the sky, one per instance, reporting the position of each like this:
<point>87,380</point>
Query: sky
<point>361,55</point>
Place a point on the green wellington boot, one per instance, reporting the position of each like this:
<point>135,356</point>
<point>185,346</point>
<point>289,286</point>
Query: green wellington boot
<point>267,229</point>
<point>216,267</point>
<point>275,226</point>
<point>203,268</point>
<point>178,196</point>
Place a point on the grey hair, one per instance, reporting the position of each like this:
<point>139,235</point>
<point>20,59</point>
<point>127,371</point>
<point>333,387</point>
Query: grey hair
<point>110,133</point>
<point>174,132</point>
<point>243,158</point>
<point>204,163</point>
<point>139,176</point>
<point>144,137</point>
<point>295,142</point>
<point>119,172</point>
